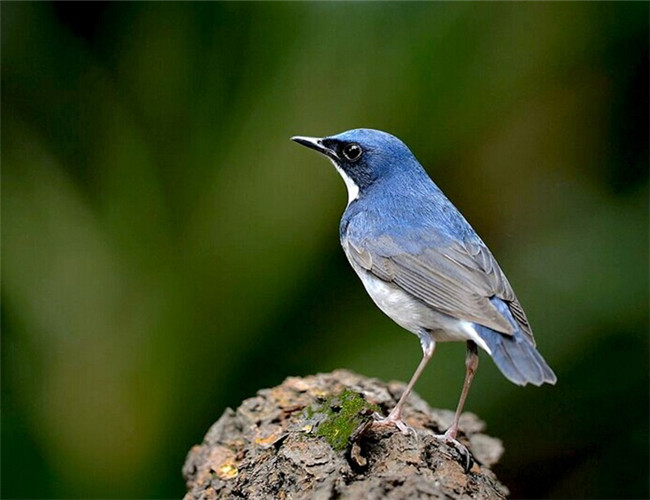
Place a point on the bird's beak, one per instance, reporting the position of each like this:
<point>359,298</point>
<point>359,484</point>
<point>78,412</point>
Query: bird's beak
<point>316,144</point>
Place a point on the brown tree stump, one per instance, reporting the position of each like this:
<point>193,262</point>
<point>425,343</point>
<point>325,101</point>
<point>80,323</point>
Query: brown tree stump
<point>312,438</point>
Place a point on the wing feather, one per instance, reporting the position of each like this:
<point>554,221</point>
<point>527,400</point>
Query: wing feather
<point>457,278</point>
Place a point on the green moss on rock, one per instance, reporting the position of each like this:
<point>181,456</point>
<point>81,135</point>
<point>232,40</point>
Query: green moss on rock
<point>340,416</point>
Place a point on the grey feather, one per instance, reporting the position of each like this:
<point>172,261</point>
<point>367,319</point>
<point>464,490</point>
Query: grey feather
<point>458,279</point>
<point>517,359</point>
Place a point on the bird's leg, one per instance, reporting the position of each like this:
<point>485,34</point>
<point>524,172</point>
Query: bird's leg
<point>471,364</point>
<point>395,416</point>
<point>449,437</point>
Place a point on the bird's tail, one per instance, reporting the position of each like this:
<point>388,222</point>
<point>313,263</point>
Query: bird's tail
<point>515,355</point>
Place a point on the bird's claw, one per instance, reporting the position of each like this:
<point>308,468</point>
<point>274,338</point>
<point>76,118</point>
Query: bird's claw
<point>466,458</point>
<point>392,420</point>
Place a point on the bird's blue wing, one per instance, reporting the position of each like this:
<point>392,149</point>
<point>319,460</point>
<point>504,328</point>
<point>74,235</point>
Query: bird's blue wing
<point>455,277</point>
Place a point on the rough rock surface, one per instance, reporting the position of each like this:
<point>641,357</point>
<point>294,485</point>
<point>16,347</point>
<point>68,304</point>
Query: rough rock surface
<point>313,438</point>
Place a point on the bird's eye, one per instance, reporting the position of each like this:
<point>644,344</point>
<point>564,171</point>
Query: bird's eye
<point>352,152</point>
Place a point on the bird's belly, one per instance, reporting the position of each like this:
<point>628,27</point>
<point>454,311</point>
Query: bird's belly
<point>412,314</point>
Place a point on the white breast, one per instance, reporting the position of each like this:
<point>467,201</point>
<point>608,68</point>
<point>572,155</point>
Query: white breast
<point>414,315</point>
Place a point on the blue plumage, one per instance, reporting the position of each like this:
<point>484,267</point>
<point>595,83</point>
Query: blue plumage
<point>423,264</point>
<point>516,356</point>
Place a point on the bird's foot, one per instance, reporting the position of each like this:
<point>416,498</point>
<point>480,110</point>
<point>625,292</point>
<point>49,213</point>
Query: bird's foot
<point>449,438</point>
<point>395,420</point>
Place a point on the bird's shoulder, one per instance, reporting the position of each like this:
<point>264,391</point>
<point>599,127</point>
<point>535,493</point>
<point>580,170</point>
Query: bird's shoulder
<point>412,225</point>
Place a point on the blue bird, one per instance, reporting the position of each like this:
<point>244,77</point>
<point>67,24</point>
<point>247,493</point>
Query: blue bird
<point>423,264</point>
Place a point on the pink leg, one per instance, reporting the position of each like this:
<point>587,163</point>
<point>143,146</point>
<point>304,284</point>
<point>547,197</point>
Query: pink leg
<point>395,416</point>
<point>471,364</point>
<point>449,437</point>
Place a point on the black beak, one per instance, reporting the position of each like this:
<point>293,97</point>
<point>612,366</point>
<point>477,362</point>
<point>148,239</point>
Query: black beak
<point>316,144</point>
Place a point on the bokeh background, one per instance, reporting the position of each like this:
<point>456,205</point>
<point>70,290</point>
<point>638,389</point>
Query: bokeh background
<point>167,250</point>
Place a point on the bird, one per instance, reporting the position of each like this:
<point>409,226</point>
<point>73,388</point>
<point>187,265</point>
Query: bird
<point>424,265</point>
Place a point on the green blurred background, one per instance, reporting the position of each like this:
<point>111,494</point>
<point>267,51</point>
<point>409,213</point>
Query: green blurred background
<point>167,250</point>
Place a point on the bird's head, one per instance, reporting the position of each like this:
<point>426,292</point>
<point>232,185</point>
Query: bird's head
<point>365,157</point>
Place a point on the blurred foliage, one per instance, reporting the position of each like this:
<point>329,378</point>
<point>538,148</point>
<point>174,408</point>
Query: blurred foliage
<point>167,250</point>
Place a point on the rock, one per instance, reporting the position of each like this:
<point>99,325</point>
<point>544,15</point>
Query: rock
<point>313,438</point>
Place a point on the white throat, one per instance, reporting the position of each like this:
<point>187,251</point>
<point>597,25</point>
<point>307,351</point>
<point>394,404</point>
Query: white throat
<point>353,189</point>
